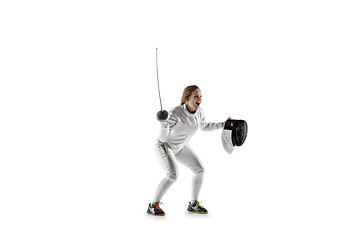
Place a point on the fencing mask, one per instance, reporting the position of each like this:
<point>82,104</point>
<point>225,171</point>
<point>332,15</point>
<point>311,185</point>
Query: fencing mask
<point>233,134</point>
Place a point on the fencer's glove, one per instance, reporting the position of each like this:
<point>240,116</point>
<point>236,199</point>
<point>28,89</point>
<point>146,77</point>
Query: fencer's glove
<point>163,122</point>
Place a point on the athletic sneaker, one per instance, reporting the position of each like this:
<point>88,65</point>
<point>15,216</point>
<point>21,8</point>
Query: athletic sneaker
<point>196,208</point>
<point>155,209</point>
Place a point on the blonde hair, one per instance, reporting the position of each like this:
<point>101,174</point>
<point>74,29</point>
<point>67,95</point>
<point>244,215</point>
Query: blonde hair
<point>187,93</point>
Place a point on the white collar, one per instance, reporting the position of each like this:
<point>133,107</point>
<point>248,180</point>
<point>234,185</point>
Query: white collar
<point>187,111</point>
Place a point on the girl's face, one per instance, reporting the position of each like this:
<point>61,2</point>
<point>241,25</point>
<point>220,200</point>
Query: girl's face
<point>193,102</point>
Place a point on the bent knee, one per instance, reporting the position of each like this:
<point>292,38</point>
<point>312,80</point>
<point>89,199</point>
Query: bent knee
<point>199,171</point>
<point>172,176</point>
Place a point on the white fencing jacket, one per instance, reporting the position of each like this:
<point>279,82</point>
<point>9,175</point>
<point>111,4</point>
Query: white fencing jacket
<point>182,125</point>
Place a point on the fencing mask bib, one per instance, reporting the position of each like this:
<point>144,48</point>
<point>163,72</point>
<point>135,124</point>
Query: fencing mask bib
<point>233,134</point>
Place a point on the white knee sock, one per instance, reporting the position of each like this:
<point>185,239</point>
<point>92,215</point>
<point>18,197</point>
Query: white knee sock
<point>196,185</point>
<point>163,187</point>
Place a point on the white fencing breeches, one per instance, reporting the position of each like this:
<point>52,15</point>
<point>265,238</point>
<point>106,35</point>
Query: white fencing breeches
<point>168,160</point>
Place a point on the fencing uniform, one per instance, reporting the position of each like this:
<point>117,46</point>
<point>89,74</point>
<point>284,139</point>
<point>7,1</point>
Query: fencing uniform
<point>172,146</point>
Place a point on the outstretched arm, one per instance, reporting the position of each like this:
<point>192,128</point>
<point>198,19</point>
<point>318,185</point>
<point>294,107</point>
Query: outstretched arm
<point>205,126</point>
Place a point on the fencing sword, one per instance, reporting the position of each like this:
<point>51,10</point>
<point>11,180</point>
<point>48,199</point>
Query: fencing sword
<point>163,114</point>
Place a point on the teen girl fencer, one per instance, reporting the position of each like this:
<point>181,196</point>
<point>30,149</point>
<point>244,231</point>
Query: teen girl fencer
<point>172,147</point>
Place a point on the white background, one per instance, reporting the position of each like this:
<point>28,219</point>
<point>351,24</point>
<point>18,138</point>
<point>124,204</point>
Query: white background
<point>78,99</point>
